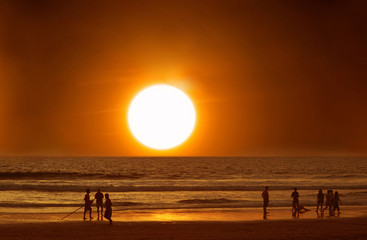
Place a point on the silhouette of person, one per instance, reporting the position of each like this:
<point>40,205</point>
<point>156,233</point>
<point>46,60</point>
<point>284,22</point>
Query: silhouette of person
<point>87,205</point>
<point>265,196</point>
<point>320,200</point>
<point>295,203</point>
<point>336,202</point>
<point>329,202</point>
<point>108,206</point>
<point>99,203</point>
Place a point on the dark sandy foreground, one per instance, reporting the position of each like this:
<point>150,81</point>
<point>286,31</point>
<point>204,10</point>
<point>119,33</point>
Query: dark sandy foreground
<point>334,228</point>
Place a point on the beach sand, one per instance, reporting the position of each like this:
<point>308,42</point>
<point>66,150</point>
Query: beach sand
<point>337,228</point>
<point>189,224</point>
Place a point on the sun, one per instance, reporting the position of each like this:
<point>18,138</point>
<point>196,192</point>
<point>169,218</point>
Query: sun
<point>161,117</point>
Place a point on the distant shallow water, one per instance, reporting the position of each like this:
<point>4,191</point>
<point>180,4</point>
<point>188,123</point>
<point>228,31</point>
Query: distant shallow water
<point>58,184</point>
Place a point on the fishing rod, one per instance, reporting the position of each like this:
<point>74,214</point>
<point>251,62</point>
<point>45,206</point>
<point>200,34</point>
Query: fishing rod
<point>76,210</point>
<point>71,213</point>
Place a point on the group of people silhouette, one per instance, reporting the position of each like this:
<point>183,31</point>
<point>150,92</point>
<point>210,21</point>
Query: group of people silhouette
<point>331,202</point>
<point>99,203</point>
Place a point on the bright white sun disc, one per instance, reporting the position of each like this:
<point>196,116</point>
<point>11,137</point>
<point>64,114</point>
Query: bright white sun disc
<point>161,117</point>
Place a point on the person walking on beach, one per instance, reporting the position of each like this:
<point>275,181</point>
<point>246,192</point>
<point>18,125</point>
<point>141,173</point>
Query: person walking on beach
<point>87,205</point>
<point>265,196</point>
<point>295,203</point>
<point>99,203</point>
<point>108,206</point>
<point>320,200</point>
<point>329,203</point>
<point>336,202</point>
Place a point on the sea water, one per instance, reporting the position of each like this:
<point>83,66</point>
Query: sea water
<point>58,184</point>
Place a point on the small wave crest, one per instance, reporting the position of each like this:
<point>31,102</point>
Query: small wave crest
<point>56,205</point>
<point>65,175</point>
<point>339,176</point>
<point>213,201</point>
<point>129,188</point>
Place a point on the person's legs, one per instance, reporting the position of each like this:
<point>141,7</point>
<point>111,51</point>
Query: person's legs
<point>102,211</point>
<point>85,211</point>
<point>108,215</point>
<point>90,213</point>
<point>326,206</point>
<point>336,207</point>
<point>331,212</point>
<point>264,206</point>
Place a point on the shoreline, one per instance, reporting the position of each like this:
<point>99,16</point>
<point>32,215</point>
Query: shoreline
<point>186,215</point>
<point>190,224</point>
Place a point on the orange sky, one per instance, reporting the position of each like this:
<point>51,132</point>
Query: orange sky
<point>267,77</point>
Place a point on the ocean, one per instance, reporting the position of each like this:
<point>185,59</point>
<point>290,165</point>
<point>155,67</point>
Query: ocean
<point>58,184</point>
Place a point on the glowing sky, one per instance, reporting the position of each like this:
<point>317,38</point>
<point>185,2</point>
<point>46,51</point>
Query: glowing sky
<point>267,77</point>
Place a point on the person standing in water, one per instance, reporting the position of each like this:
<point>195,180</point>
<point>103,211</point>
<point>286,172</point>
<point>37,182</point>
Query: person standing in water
<point>108,206</point>
<point>99,199</point>
<point>265,196</point>
<point>295,203</point>
<point>87,205</point>
<point>320,200</point>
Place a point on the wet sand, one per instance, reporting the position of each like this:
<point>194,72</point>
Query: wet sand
<point>335,228</point>
<point>189,224</point>
<point>209,214</point>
